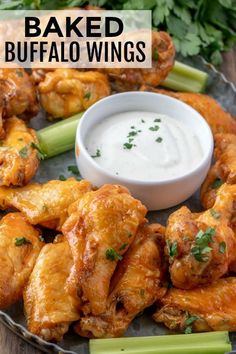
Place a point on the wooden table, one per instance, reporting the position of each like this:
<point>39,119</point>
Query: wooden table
<point>9,342</point>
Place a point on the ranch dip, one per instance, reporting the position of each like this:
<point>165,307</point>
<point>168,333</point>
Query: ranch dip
<point>144,146</point>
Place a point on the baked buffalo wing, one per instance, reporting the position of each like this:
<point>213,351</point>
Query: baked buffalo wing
<point>17,95</point>
<point>100,229</point>
<point>18,157</point>
<point>135,286</point>
<point>20,245</point>
<point>223,170</point>
<point>47,203</point>
<point>163,54</point>
<point>210,308</point>
<point>48,306</point>
<point>64,92</point>
<point>218,120</point>
<point>202,247</point>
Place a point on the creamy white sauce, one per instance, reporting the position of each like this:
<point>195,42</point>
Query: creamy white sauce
<point>169,149</point>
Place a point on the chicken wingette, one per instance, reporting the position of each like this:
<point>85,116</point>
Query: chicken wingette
<point>17,96</point>
<point>100,229</point>
<point>47,203</point>
<point>135,286</point>
<point>20,244</point>
<point>219,120</point>
<point>209,308</point>
<point>223,170</point>
<point>18,153</point>
<point>48,306</point>
<point>64,92</point>
<point>202,247</point>
<point>163,54</point>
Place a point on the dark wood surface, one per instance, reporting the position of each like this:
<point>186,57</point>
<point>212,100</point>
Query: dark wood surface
<point>9,342</point>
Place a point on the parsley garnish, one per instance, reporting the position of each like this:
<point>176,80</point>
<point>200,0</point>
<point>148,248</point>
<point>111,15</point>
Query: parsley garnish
<point>19,73</point>
<point>154,129</point>
<point>159,140</point>
<point>172,248</point>
<point>142,292</point>
<point>188,323</point>
<point>142,120</point>
<point>217,183</point>
<point>157,120</point>
<point>19,241</point>
<point>202,241</point>
<point>133,133</point>
<point>155,55</point>
<point>98,154</point>
<point>222,247</point>
<point>73,169</point>
<point>41,155</point>
<point>122,247</point>
<point>112,255</point>
<point>215,214</point>
<point>87,95</point>
<point>128,146</point>
<point>132,127</point>
<point>62,178</point>
<point>24,152</point>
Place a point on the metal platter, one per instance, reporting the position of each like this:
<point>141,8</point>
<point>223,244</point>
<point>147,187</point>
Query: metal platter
<point>13,317</point>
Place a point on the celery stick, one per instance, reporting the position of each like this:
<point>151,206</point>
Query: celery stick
<point>207,343</point>
<point>185,78</point>
<point>59,137</point>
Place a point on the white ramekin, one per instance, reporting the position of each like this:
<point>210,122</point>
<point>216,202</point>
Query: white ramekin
<point>155,195</point>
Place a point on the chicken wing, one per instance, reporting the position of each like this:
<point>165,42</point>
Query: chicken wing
<point>65,92</point>
<point>48,306</point>
<point>17,95</point>
<point>202,247</point>
<point>47,203</point>
<point>135,286</point>
<point>223,170</point>
<point>218,120</point>
<point>210,308</point>
<point>163,54</point>
<point>18,157</point>
<point>20,245</point>
<point>100,228</point>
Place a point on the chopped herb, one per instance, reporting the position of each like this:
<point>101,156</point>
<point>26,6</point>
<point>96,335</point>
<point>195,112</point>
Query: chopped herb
<point>117,173</point>
<point>24,152</point>
<point>45,207</point>
<point>159,140</point>
<point>157,120</point>
<point>19,241</point>
<point>130,140</point>
<point>41,154</point>
<point>128,146</point>
<point>142,292</point>
<point>139,131</point>
<point>19,73</point>
<point>87,95</point>
<point>142,120</point>
<point>172,248</point>
<point>217,183</point>
<point>188,323</point>
<point>62,178</point>
<point>73,169</point>
<point>202,241</point>
<point>154,129</point>
<point>215,214</point>
<point>98,154</point>
<point>222,247</point>
<point>112,255</point>
<point>133,133</point>
<point>130,234</point>
<point>155,55</point>
<point>122,247</point>
<point>132,127</point>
